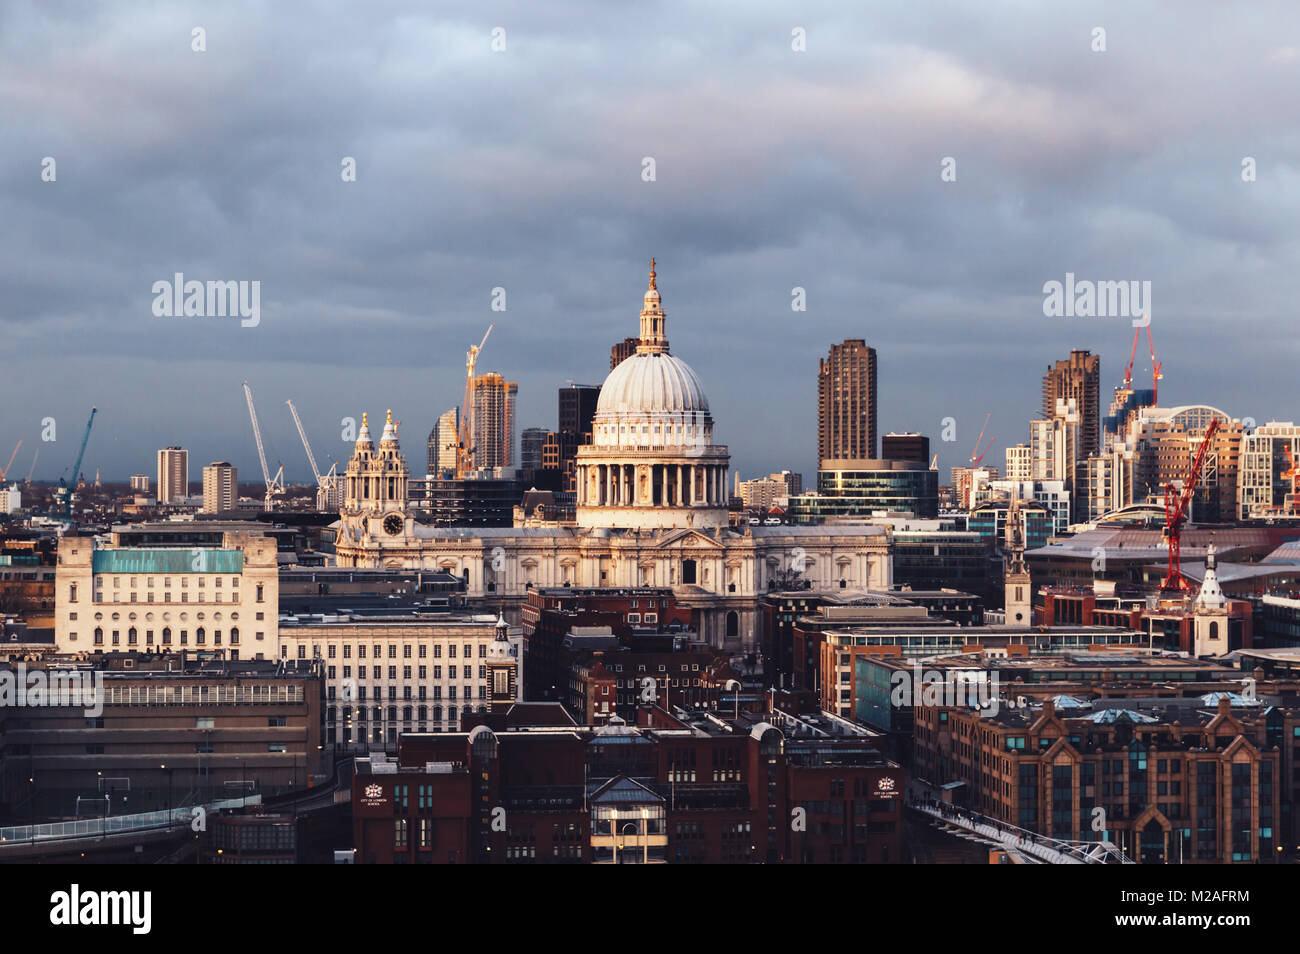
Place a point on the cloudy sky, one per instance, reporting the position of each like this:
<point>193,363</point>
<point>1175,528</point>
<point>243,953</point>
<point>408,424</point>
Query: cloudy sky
<point>522,169</point>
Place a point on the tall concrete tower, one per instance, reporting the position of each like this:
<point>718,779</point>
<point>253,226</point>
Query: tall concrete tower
<point>846,403</point>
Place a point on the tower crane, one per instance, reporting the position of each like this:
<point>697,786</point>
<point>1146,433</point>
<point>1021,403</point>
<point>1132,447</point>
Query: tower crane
<point>31,470</point>
<point>5,469</point>
<point>324,483</point>
<point>977,455</point>
<point>62,494</point>
<point>274,485</point>
<point>1176,509</point>
<point>465,450</point>
<point>1155,370</point>
<point>1132,356</point>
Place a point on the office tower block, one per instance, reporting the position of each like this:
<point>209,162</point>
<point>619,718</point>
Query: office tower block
<point>909,446</point>
<point>441,454</point>
<point>577,406</point>
<point>531,442</point>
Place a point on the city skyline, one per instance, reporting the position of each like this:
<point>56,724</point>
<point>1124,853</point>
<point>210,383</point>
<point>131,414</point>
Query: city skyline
<point>372,289</point>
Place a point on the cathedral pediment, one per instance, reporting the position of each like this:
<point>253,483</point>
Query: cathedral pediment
<point>688,539</point>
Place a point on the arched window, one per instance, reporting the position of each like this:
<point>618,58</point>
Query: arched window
<point>234,635</point>
<point>1214,630</point>
<point>131,636</point>
<point>99,636</point>
<point>200,636</point>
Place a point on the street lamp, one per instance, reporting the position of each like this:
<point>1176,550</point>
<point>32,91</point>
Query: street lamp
<point>729,685</point>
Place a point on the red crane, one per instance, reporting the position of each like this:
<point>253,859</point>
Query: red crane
<point>1176,507</point>
<point>977,455</point>
<point>1132,356</point>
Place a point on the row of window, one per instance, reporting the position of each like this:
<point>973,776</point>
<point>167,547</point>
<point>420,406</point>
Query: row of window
<point>377,650</point>
<point>376,672</point>
<point>165,638</point>
<point>98,587</point>
<point>114,617</point>
<point>358,693</point>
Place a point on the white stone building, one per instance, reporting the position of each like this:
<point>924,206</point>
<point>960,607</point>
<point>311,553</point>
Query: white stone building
<point>115,598</point>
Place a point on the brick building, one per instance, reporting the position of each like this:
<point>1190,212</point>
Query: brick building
<point>1200,780</point>
<point>677,787</point>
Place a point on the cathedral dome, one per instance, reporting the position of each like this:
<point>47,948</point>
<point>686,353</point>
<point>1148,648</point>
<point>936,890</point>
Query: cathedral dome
<point>652,382</point>
<point>652,398</point>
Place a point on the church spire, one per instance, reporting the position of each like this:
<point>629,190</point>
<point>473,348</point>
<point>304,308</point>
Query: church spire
<point>654,339</point>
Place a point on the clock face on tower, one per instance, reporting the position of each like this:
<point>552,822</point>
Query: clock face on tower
<point>393,524</point>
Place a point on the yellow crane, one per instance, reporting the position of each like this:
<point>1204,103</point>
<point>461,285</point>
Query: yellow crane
<point>5,470</point>
<point>465,452</point>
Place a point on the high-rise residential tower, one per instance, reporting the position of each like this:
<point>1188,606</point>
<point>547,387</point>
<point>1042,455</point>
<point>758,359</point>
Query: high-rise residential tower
<point>846,403</point>
<point>1078,378</point>
<point>173,475</point>
<point>494,421</point>
<point>622,351</point>
<point>220,487</point>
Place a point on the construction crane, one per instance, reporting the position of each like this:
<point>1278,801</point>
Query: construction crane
<point>1155,365</point>
<point>1132,356</point>
<point>62,494</point>
<point>977,455</point>
<point>465,450</point>
<point>274,485</point>
<point>324,483</point>
<point>1155,370</point>
<point>31,470</point>
<point>1176,510</point>
<point>4,471</point>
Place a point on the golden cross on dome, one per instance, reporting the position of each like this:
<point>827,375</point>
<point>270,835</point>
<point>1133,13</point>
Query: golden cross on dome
<point>652,274</point>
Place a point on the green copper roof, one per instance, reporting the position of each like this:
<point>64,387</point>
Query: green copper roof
<point>172,560</point>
